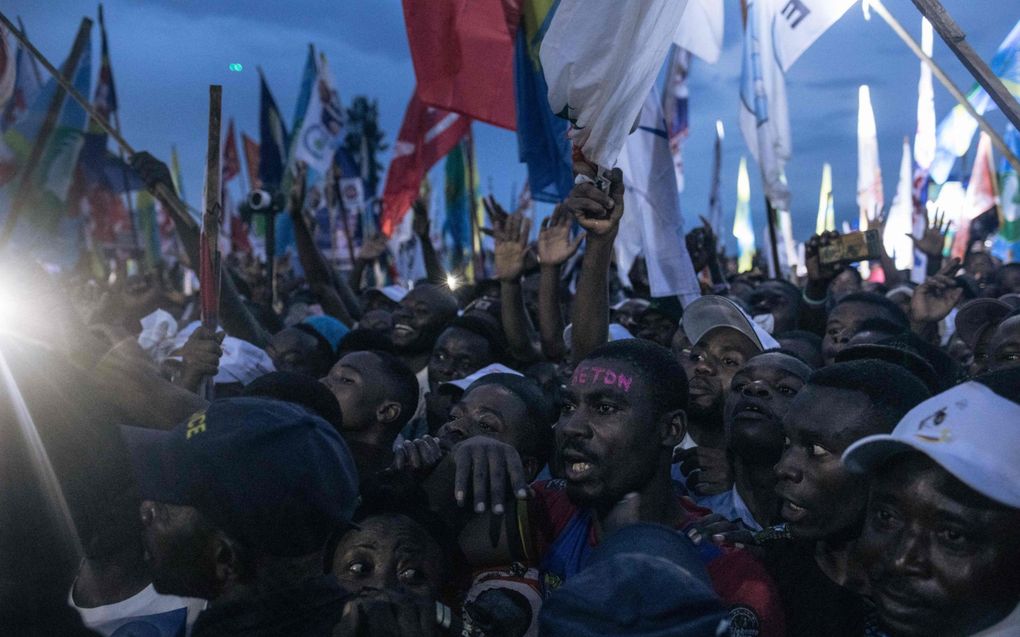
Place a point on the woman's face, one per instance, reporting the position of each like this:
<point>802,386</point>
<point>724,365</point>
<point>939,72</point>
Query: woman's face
<point>390,552</point>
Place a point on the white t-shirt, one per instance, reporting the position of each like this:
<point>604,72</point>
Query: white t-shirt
<point>145,613</point>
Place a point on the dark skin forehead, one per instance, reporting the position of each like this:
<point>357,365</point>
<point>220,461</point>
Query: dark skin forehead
<point>772,289</point>
<point>774,365</point>
<point>727,339</point>
<point>856,312</point>
<point>943,494</point>
<point>364,363</point>
<point>396,533</point>
<point>460,340</point>
<point>291,340</point>
<point>499,401</point>
<point>431,296</point>
<point>834,418</point>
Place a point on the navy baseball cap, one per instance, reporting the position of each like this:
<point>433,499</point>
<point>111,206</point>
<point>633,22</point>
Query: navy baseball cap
<point>269,473</point>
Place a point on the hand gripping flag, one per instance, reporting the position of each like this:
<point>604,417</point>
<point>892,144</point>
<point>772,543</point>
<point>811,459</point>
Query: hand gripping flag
<point>600,59</point>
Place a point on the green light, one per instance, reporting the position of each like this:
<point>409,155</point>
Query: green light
<point>237,68</point>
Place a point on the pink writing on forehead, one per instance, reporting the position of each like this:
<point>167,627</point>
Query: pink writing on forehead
<point>590,375</point>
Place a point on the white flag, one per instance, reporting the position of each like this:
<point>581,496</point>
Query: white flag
<point>322,127</point>
<point>701,29</point>
<point>924,139</point>
<point>653,206</point>
<point>777,33</point>
<point>796,24</point>
<point>600,58</point>
<point>900,222</point>
<point>869,172</point>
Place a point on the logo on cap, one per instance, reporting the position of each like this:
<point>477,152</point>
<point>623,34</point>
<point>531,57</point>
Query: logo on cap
<point>934,421</point>
<point>196,425</point>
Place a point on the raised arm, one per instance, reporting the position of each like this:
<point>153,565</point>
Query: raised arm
<point>554,248</point>
<point>433,268</point>
<point>511,246</point>
<point>599,214</point>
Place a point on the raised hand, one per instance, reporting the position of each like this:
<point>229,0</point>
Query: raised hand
<point>708,471</point>
<point>200,357</point>
<point>554,243</point>
<point>418,455</point>
<point>372,249</point>
<point>487,467</point>
<point>702,245</point>
<point>497,215</point>
<point>420,224</point>
<point>933,241</point>
<point>597,212</point>
<point>817,272</point>
<point>934,299</point>
<point>511,247</point>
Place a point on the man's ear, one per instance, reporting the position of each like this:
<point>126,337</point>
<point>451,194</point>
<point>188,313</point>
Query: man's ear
<point>673,428</point>
<point>387,411</point>
<point>226,559</point>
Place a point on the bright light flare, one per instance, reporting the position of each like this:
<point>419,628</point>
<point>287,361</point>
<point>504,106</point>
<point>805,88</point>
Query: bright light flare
<point>452,281</point>
<point>720,130</point>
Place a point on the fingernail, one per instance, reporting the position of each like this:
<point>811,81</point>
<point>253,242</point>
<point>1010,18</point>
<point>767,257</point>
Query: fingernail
<point>460,497</point>
<point>738,545</point>
<point>498,509</point>
<point>522,493</point>
<point>479,507</point>
<point>718,539</point>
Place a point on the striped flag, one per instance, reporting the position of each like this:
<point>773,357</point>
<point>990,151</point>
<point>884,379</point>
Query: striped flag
<point>425,137</point>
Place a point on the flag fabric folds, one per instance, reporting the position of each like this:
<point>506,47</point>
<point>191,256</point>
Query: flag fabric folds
<point>652,203</point>
<point>425,137</point>
<point>273,139</point>
<point>956,131</point>
<point>715,209</point>
<point>743,229</point>
<point>43,225</point>
<point>541,136</point>
<point>457,226</point>
<point>321,131</point>
<point>600,59</point>
<point>900,221</point>
<point>674,106</point>
<point>1009,206</point>
<point>870,197</point>
<point>251,160</point>
<point>701,29</point>
<point>463,54</point>
<point>982,194</point>
<point>8,68</point>
<point>776,34</point>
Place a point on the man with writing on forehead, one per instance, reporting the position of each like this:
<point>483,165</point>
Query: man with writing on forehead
<point>623,413</point>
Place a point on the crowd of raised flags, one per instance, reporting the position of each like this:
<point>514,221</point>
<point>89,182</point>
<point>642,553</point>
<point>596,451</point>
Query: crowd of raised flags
<point>564,74</point>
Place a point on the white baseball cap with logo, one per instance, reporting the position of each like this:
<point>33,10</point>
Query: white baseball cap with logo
<point>707,313</point>
<point>969,430</point>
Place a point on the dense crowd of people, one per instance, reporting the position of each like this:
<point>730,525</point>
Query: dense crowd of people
<point>544,452</point>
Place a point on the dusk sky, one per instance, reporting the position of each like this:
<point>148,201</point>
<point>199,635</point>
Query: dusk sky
<point>165,53</point>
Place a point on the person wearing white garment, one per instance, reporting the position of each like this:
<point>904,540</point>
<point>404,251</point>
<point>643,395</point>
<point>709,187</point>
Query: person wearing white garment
<point>939,542</point>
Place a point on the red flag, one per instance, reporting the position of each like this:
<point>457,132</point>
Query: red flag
<point>426,136</point>
<point>251,158</point>
<point>463,53</point>
<point>231,160</point>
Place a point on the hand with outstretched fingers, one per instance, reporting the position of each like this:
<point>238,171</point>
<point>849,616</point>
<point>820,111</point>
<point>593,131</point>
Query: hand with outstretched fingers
<point>486,469</point>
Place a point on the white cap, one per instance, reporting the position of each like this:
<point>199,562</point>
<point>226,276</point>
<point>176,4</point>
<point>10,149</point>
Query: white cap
<point>395,293</point>
<point>709,312</point>
<point>495,368</point>
<point>969,430</point>
<point>617,332</point>
<point>641,303</point>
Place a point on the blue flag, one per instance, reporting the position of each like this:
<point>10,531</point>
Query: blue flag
<point>458,224</point>
<point>541,136</point>
<point>273,140</point>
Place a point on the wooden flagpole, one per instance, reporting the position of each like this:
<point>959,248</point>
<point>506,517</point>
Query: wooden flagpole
<point>209,248</point>
<point>894,24</point>
<point>957,41</point>
<point>49,123</point>
<point>160,191</point>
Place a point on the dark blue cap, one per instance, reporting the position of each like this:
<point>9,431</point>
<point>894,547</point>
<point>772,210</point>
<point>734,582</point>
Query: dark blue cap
<point>645,580</point>
<point>269,473</point>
